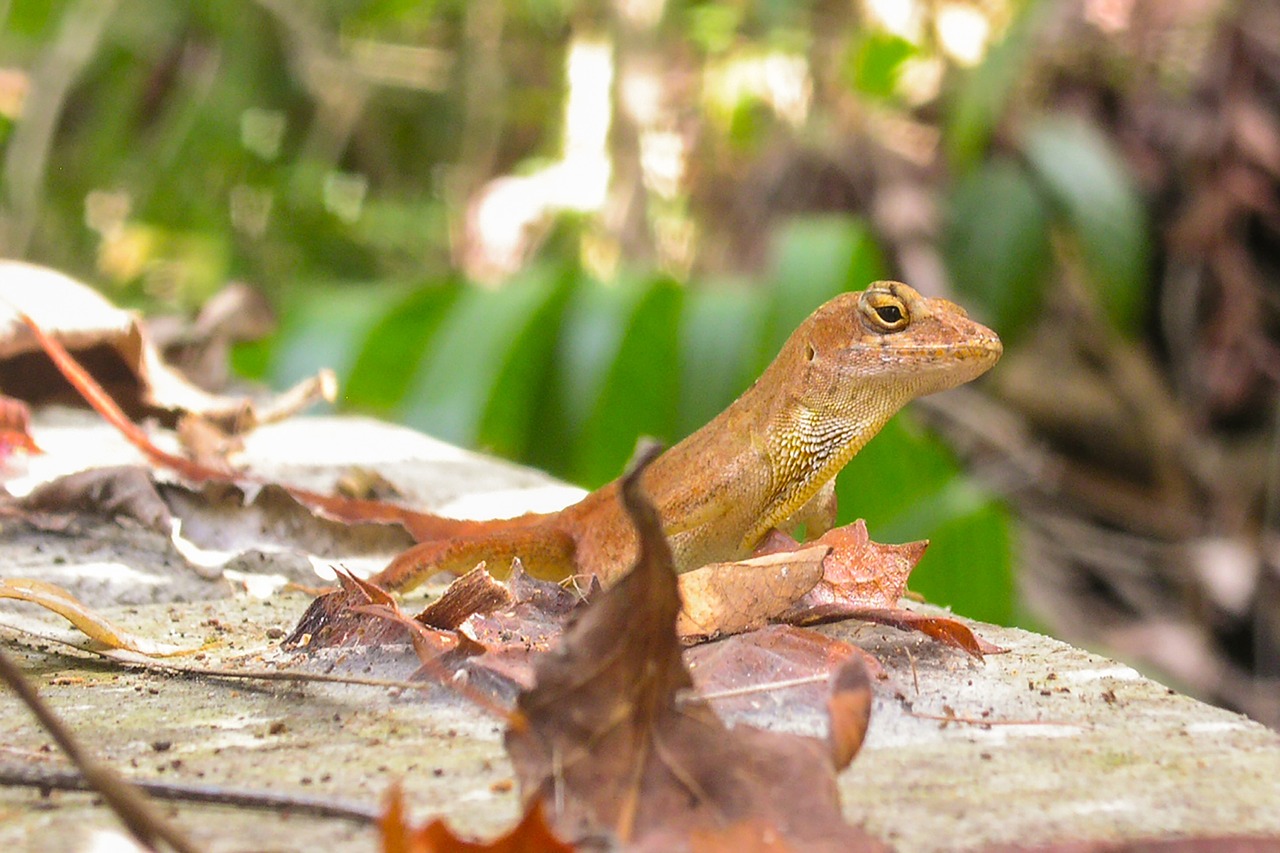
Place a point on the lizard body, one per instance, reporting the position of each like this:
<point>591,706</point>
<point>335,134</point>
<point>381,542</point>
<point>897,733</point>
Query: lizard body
<point>767,461</point>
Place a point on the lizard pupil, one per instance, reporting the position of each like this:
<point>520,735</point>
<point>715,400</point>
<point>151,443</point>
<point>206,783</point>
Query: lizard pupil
<point>890,314</point>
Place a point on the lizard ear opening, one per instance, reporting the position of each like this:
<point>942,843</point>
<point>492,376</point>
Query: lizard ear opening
<point>809,351</point>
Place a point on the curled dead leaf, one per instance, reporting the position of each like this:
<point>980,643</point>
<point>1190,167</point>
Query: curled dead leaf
<point>610,738</point>
<point>115,347</point>
<point>91,623</point>
<point>122,491</point>
<point>728,598</point>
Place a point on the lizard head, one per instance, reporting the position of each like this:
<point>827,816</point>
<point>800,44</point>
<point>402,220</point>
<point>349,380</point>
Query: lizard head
<point>891,335</point>
<point>846,371</point>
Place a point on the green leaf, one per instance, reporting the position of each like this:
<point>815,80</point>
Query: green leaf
<point>510,423</point>
<point>749,123</point>
<point>719,337</point>
<point>394,346</point>
<point>713,27</point>
<point>595,323</point>
<point>1092,188</point>
<point>322,326</point>
<point>638,396</point>
<point>875,61</point>
<point>815,259</point>
<point>997,244</point>
<point>895,472</point>
<point>969,565</point>
<point>477,343</point>
<point>979,101</point>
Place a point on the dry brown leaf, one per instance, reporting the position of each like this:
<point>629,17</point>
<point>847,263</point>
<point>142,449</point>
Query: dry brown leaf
<point>946,630</point>
<point>860,572</point>
<point>612,740</point>
<point>494,629</point>
<point>781,666</point>
<point>475,592</point>
<point>361,613</point>
<point>94,625</point>
<point>116,348</point>
<point>514,636</point>
<point>850,711</point>
<point>15,428</point>
<point>530,835</point>
<point>864,580</point>
<point>728,598</point>
<point>122,491</point>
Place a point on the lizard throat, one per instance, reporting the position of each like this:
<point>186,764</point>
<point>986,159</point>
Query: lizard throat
<point>806,458</point>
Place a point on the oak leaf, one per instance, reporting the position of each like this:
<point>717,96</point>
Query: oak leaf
<point>864,580</point>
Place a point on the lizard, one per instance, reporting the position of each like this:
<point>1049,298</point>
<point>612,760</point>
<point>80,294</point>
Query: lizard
<point>766,462</point>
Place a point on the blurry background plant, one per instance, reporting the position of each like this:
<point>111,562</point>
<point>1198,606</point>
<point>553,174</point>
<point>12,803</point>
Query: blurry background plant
<point>543,228</point>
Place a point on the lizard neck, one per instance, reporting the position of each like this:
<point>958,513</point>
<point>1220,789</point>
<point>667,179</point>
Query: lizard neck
<point>808,445</point>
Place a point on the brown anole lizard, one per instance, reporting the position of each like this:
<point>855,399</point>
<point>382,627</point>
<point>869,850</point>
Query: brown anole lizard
<point>768,461</point>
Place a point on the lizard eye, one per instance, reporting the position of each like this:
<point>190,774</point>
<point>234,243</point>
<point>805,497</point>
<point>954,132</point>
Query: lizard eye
<point>891,314</point>
<point>885,311</point>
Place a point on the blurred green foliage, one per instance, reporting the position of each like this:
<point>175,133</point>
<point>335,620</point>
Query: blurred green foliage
<point>326,152</point>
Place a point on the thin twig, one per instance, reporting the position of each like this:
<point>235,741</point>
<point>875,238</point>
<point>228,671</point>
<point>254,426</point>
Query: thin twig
<point>134,810</point>
<point>57,779</point>
<point>763,688</point>
<point>978,721</point>
<point>277,675</point>
<point>167,667</point>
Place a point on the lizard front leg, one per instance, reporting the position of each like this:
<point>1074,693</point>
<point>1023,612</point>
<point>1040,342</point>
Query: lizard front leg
<point>816,516</point>
<point>546,552</point>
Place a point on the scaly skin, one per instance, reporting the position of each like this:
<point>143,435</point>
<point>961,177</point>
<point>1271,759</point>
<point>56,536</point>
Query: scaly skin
<point>768,461</point>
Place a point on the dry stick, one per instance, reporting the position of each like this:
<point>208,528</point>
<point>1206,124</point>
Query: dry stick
<point>134,810</point>
<point>915,677</point>
<point>733,692</point>
<point>51,778</point>
<point>278,675</point>
<point>147,664</point>
<point>976,721</point>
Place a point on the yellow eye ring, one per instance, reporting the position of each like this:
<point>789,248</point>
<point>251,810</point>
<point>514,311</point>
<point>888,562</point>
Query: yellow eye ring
<point>890,314</point>
<point>885,312</point>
